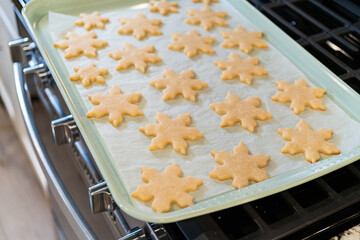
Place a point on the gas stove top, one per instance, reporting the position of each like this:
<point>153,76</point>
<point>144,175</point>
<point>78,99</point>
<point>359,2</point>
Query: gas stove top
<point>319,209</point>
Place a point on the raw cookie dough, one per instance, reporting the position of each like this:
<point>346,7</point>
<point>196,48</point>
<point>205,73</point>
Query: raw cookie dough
<point>89,74</point>
<point>192,42</point>
<point>171,131</point>
<point>163,7</point>
<point>75,44</point>
<point>179,84</point>
<point>166,188</point>
<point>90,21</point>
<point>140,26</point>
<point>114,104</point>
<point>300,95</point>
<point>137,57</point>
<point>244,69</point>
<point>240,166</point>
<point>243,111</point>
<point>206,17</point>
<point>245,40</point>
<point>308,141</point>
<point>207,2</point>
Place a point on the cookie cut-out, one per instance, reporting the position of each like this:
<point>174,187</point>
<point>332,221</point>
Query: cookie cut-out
<point>206,17</point>
<point>240,166</point>
<point>166,188</point>
<point>244,69</point>
<point>243,111</point>
<point>114,104</point>
<point>207,2</point>
<point>308,141</point>
<point>90,21</point>
<point>192,42</point>
<point>140,26</point>
<point>163,7</point>
<point>178,84</point>
<point>171,131</point>
<point>244,39</point>
<point>89,74</point>
<point>75,44</point>
<point>137,57</point>
<point>300,95</point>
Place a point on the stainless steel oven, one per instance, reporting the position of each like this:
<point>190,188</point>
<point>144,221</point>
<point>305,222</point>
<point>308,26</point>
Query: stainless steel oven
<point>81,203</point>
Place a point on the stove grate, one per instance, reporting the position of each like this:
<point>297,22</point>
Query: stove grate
<point>301,194</point>
<point>306,209</point>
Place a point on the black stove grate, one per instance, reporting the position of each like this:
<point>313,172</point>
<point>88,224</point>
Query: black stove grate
<point>318,209</point>
<point>322,208</point>
<point>328,29</point>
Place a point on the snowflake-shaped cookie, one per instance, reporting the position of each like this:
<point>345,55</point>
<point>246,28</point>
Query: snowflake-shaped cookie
<point>90,21</point>
<point>178,84</point>
<point>89,74</point>
<point>115,104</point>
<point>206,17</point>
<point>140,26</point>
<point>300,95</point>
<point>163,7</point>
<point>242,68</point>
<point>243,111</point>
<point>137,57</point>
<point>207,2</point>
<point>192,42</point>
<point>239,166</point>
<point>171,131</point>
<point>166,188</point>
<point>245,40</point>
<point>75,44</point>
<point>308,141</point>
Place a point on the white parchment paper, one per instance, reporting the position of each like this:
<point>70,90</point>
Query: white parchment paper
<point>129,147</point>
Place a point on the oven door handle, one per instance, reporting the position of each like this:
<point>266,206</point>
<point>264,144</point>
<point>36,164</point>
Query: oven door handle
<point>62,197</point>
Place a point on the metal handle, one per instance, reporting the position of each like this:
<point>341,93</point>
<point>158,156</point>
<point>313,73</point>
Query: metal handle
<point>156,231</point>
<point>40,73</point>
<point>135,234</point>
<point>65,130</point>
<point>67,205</point>
<point>34,69</point>
<point>19,47</point>
<point>100,198</point>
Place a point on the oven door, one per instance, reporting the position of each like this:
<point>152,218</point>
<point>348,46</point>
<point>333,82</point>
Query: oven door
<point>9,31</point>
<point>16,101</point>
<point>65,168</point>
<point>56,188</point>
<point>66,163</point>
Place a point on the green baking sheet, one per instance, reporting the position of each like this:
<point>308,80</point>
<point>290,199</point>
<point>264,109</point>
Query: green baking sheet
<point>36,14</point>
